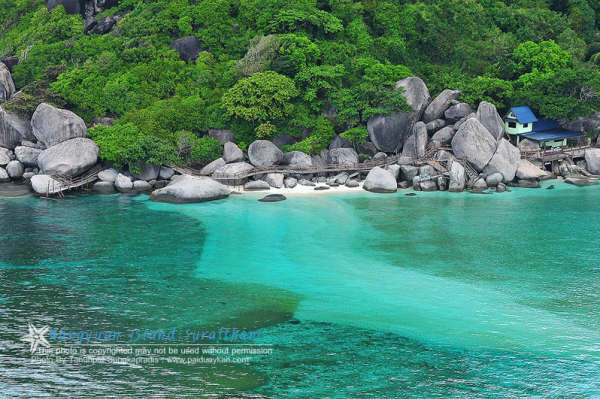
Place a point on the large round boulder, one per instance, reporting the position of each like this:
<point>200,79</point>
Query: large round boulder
<point>444,135</point>
<point>15,169</point>
<point>592,158</point>
<point>222,135</point>
<point>351,183</point>
<point>297,160</point>
<point>273,198</point>
<point>123,183</point>
<point>275,180</point>
<point>28,156</point>
<point>488,116</point>
<point>191,189</point>
<point>4,177</point>
<point>581,181</point>
<point>290,182</point>
<point>45,185</point>
<point>340,142</point>
<point>435,125</point>
<point>435,110</point>
<point>480,185</point>
<point>5,156</point>
<point>187,47</point>
<point>7,86</point>
<point>141,186</point>
<point>233,169</point>
<point>108,175</point>
<point>388,132</point>
<point>69,158</point>
<point>165,173</point>
<point>505,160</point>
<point>104,187</point>
<point>473,142</point>
<point>257,185</point>
<point>408,172</point>
<point>147,171</point>
<point>263,153</point>
<point>211,167</point>
<point>230,173</point>
<point>367,148</point>
<point>380,180</point>
<point>458,124</point>
<point>232,153</point>
<point>457,177</point>
<point>342,156</point>
<point>457,112</point>
<point>393,169</point>
<point>528,171</point>
<point>414,146</point>
<point>494,179</point>
<point>52,125</point>
<point>13,130</point>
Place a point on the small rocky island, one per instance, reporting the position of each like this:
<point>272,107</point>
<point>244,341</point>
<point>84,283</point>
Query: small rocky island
<point>440,144</point>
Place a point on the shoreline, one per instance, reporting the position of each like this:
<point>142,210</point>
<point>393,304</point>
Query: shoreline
<point>19,190</point>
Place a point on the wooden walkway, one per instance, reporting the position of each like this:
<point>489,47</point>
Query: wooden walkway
<point>470,172</point>
<point>61,183</point>
<point>427,158</point>
<point>555,155</point>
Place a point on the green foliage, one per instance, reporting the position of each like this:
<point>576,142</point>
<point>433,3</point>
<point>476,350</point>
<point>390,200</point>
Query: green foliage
<point>371,92</point>
<point>167,116</point>
<point>126,145</point>
<point>497,91</point>
<point>38,91</point>
<point>312,20</point>
<point>275,66</point>
<point>265,130</point>
<point>98,87</point>
<point>356,135</point>
<point>296,52</point>
<point>197,150</point>
<point>319,138</point>
<point>544,57</point>
<point>263,97</point>
<point>562,94</point>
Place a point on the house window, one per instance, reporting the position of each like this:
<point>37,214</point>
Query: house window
<point>525,124</point>
<point>512,125</point>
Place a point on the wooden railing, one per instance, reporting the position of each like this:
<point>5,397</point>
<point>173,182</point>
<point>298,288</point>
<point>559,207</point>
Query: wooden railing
<point>553,155</point>
<point>286,169</point>
<point>61,183</point>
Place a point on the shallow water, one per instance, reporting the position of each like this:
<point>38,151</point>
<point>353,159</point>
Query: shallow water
<point>360,295</point>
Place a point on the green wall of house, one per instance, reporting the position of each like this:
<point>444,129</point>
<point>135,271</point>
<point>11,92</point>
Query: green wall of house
<point>519,129</point>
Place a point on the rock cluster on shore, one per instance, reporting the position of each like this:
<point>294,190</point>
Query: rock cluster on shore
<point>467,149</point>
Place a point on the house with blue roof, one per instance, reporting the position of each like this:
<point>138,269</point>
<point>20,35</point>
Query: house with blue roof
<point>522,123</point>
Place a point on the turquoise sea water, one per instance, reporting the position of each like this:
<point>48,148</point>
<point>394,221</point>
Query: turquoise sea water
<point>358,295</point>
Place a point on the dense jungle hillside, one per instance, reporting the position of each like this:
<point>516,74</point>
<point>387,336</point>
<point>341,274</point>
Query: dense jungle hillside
<point>158,75</point>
